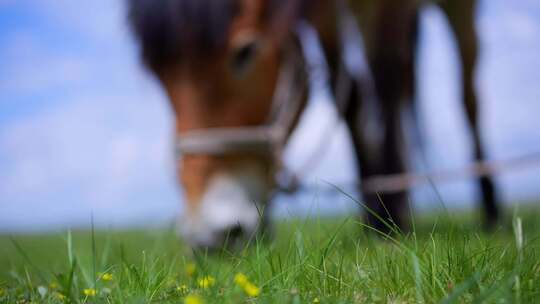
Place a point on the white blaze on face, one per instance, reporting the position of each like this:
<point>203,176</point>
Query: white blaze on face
<point>232,201</point>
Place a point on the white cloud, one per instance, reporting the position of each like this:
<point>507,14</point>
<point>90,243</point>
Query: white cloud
<point>522,25</point>
<point>30,67</point>
<point>99,151</point>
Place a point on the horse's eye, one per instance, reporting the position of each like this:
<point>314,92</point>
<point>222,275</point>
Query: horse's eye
<point>243,56</point>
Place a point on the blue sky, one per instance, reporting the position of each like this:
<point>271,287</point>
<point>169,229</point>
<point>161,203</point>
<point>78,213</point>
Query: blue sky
<point>83,128</point>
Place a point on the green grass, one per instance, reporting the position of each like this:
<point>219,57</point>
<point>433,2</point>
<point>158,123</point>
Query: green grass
<point>445,259</point>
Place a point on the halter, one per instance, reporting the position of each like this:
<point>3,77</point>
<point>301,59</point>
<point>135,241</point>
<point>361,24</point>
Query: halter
<point>266,139</point>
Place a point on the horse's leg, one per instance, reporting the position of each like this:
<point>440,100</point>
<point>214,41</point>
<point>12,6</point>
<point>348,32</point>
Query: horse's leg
<point>367,153</point>
<point>390,61</point>
<point>410,93</point>
<point>461,17</point>
<point>380,149</point>
<point>410,68</point>
<point>369,150</point>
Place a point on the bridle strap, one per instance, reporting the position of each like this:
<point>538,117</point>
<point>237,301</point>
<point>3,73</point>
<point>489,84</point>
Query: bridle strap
<point>221,141</point>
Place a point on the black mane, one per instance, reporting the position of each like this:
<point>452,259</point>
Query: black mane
<point>169,30</point>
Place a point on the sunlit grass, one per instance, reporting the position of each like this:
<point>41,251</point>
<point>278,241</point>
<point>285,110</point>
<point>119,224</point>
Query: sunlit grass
<point>443,259</point>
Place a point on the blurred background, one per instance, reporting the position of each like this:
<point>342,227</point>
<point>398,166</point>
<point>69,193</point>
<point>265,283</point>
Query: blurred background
<point>84,129</point>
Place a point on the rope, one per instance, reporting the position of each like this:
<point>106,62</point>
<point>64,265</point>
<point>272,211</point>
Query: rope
<point>400,182</point>
<point>404,181</point>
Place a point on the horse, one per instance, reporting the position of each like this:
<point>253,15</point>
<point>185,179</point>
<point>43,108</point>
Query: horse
<point>236,80</point>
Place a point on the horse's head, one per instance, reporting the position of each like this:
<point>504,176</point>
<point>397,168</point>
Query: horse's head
<point>220,63</point>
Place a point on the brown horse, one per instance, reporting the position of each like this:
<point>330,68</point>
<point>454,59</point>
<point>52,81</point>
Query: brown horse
<point>234,75</point>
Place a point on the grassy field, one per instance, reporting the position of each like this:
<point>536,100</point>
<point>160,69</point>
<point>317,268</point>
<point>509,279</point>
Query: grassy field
<point>444,259</point>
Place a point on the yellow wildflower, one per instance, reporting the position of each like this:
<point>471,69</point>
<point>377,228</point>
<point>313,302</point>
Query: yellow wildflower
<point>207,281</point>
<point>59,296</point>
<point>190,269</point>
<point>252,290</point>
<point>316,301</point>
<point>182,288</point>
<point>241,279</point>
<point>107,277</point>
<point>53,285</point>
<point>193,299</point>
<point>89,292</point>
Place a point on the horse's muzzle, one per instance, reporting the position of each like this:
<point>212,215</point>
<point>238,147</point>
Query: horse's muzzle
<point>230,214</point>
